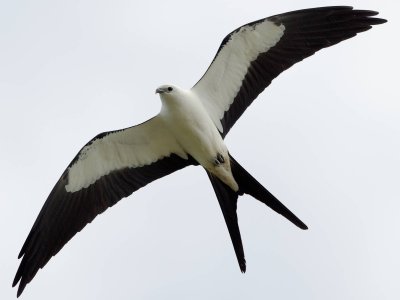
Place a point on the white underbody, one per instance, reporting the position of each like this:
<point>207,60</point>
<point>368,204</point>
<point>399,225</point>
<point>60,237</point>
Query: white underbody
<point>183,127</point>
<point>188,121</point>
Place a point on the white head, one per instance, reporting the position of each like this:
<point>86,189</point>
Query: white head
<point>166,89</point>
<point>172,95</point>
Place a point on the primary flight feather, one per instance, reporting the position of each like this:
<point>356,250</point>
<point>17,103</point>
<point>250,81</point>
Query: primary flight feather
<point>189,130</point>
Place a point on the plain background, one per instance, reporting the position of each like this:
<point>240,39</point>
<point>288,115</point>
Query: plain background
<point>324,138</point>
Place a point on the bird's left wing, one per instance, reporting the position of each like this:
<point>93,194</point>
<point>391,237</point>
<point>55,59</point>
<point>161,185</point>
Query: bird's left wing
<point>110,167</point>
<point>251,56</point>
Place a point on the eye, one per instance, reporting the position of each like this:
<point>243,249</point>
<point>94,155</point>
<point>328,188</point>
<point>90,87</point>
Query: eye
<point>170,89</point>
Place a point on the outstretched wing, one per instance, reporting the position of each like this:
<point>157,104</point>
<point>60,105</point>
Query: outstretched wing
<point>110,167</point>
<point>251,56</point>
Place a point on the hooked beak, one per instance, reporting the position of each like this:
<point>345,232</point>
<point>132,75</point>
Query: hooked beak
<point>160,90</point>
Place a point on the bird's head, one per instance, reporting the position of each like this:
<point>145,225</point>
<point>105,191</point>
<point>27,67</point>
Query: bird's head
<point>172,96</point>
<point>166,89</point>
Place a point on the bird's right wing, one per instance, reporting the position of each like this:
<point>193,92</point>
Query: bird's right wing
<point>110,167</point>
<point>251,56</point>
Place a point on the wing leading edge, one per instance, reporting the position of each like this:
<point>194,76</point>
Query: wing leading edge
<point>110,167</point>
<point>251,56</point>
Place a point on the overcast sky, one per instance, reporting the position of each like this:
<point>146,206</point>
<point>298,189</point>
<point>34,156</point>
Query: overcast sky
<point>323,138</point>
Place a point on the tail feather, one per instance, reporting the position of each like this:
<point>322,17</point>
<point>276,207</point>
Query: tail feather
<point>227,199</point>
<point>249,185</point>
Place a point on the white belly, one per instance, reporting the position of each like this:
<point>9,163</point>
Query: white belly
<point>197,135</point>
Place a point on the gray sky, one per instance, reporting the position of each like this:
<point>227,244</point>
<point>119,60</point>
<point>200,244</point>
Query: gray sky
<point>324,138</point>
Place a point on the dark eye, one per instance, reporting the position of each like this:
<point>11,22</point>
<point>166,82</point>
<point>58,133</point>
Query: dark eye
<point>170,89</point>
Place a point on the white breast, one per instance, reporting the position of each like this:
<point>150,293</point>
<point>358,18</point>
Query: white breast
<point>192,126</point>
<point>196,133</point>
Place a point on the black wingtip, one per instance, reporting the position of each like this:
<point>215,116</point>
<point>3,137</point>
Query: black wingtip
<point>369,13</point>
<point>20,290</point>
<point>377,21</point>
<point>21,286</point>
<point>15,281</point>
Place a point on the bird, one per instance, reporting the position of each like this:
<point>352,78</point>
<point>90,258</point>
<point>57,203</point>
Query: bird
<point>189,130</point>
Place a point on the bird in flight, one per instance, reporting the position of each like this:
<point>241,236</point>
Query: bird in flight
<point>189,130</point>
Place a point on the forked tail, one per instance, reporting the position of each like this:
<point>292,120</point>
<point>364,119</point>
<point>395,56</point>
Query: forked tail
<point>227,199</point>
<point>249,185</point>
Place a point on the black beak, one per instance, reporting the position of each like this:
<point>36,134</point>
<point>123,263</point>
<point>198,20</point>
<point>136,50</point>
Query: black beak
<point>160,91</point>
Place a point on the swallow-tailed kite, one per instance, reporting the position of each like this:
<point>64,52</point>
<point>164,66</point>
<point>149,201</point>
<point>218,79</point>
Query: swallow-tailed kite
<point>189,130</point>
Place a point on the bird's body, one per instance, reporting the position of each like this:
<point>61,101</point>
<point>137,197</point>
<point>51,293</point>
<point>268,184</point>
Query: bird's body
<point>188,121</point>
<point>189,130</point>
